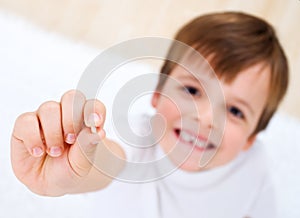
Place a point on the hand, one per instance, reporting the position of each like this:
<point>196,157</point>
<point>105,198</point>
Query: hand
<point>52,148</point>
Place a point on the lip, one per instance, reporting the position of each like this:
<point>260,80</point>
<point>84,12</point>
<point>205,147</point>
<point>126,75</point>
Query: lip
<point>209,146</point>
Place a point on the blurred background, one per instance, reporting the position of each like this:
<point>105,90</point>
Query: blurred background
<point>103,23</point>
<point>45,46</point>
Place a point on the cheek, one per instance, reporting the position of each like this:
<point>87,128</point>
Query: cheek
<point>233,141</point>
<point>171,115</point>
<point>168,110</point>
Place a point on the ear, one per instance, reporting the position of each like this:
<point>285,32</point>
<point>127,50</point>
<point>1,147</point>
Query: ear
<point>154,99</point>
<point>249,143</point>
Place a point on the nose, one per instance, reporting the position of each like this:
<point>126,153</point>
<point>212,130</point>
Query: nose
<point>204,114</point>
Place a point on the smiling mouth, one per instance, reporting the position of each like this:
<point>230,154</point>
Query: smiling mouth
<point>193,140</point>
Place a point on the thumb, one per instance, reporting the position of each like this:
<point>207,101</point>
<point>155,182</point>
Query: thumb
<point>82,153</point>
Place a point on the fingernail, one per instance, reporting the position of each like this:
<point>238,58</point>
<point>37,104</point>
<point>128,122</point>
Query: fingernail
<point>55,151</point>
<point>37,152</point>
<point>94,119</point>
<point>70,138</point>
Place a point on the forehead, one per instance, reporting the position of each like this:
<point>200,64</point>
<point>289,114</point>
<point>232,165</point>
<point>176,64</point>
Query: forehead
<point>259,73</point>
<point>199,71</point>
<point>203,69</point>
<point>255,80</point>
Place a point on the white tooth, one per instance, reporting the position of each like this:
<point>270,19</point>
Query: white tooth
<point>185,136</point>
<point>193,139</point>
<point>200,144</point>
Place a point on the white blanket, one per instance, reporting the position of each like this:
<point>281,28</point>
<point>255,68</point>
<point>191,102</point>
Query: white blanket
<point>36,65</point>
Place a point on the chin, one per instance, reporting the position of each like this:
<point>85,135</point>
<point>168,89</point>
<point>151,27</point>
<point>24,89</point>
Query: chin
<point>191,164</point>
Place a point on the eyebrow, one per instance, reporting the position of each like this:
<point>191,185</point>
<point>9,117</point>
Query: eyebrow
<point>190,77</point>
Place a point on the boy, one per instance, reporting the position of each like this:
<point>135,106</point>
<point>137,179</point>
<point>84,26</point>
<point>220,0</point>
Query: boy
<point>53,148</point>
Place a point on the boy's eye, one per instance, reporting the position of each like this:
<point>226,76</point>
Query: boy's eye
<point>191,90</point>
<point>236,112</point>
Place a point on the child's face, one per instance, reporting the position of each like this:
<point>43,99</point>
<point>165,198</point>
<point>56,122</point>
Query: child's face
<point>245,99</point>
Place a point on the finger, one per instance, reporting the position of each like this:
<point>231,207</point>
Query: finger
<point>49,114</point>
<point>72,104</point>
<point>27,131</point>
<point>94,114</point>
<point>83,151</point>
<point>92,152</point>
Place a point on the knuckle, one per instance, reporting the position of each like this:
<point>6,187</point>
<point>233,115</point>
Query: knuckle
<point>26,118</point>
<point>26,128</point>
<point>72,95</point>
<point>49,106</point>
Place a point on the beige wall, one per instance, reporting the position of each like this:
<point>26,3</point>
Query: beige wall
<point>105,22</point>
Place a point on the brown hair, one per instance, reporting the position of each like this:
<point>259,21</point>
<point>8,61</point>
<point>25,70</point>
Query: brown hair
<point>236,41</point>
